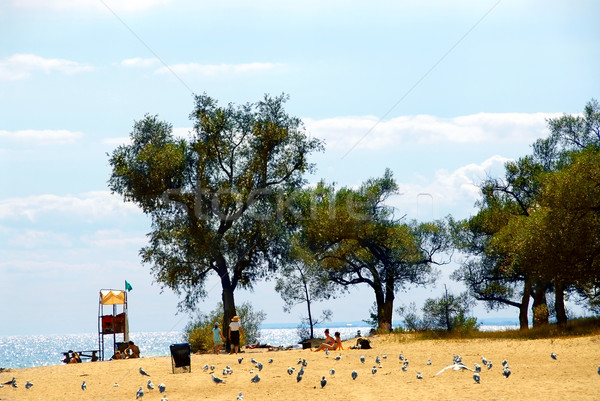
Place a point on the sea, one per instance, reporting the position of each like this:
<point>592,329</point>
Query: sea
<point>26,351</point>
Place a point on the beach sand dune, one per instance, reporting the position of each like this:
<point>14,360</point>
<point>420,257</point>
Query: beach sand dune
<point>535,375</point>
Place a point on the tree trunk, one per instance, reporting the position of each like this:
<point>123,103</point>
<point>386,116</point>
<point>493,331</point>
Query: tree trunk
<point>310,320</point>
<point>228,307</point>
<point>541,317</point>
<point>524,308</point>
<point>387,307</point>
<point>561,313</point>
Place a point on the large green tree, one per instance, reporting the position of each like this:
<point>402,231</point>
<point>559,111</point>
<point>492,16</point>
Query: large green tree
<point>519,239</point>
<point>217,199</point>
<point>358,240</point>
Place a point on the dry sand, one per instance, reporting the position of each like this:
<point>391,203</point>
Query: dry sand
<point>535,375</point>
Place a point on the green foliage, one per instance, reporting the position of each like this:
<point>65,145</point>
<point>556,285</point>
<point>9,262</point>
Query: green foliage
<point>358,240</point>
<point>217,200</point>
<point>449,312</point>
<point>198,333</point>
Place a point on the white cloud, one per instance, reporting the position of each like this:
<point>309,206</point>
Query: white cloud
<point>139,62</point>
<point>452,192</point>
<point>124,140</point>
<point>34,239</point>
<point>113,239</point>
<point>42,137</point>
<point>22,66</point>
<point>89,206</point>
<point>93,5</point>
<point>369,132</point>
<point>217,69</point>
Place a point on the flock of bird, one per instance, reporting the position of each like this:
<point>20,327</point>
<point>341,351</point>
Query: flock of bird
<point>456,365</point>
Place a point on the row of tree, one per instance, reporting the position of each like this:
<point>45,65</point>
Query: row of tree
<point>232,200</point>
<point>537,230</point>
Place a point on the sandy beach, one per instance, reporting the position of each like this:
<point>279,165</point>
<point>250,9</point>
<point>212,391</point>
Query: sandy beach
<point>535,375</point>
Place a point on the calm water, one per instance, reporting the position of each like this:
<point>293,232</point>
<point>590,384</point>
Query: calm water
<point>43,350</point>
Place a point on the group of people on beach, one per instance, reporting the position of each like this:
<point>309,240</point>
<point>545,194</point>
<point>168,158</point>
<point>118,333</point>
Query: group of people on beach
<point>132,351</point>
<point>234,333</point>
<point>331,343</point>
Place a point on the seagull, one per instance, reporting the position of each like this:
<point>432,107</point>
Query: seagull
<point>83,385</point>
<point>323,382</point>
<point>255,379</point>
<point>140,393</point>
<point>11,382</point>
<point>327,352</point>
<point>216,379</point>
<point>406,362</point>
<point>337,358</point>
<point>298,377</point>
<point>164,398</point>
<point>205,367</point>
<point>304,363</point>
<point>504,362</point>
<point>116,384</point>
<point>254,361</point>
<point>429,362</point>
<point>143,372</point>
<point>599,370</point>
<point>270,360</point>
<point>477,368</point>
<point>301,372</point>
<point>405,368</point>
<point>374,370</point>
<point>401,357</point>
<point>377,360</point>
<point>553,355</point>
<point>456,366</point>
<point>419,376</point>
<point>240,359</point>
<point>212,367</point>
<point>362,358</point>
<point>483,360</point>
<point>384,356</point>
<point>332,372</point>
<point>150,385</point>
<point>489,365</point>
<point>457,359</point>
<point>355,374</point>
<point>476,377</point>
<point>506,371</point>
<point>240,396</point>
<point>28,385</point>
<point>290,370</point>
<point>259,366</point>
<point>162,387</point>
<point>299,361</point>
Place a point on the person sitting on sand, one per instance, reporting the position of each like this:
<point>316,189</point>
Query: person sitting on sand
<point>117,355</point>
<point>337,345</point>
<point>132,351</point>
<point>75,358</point>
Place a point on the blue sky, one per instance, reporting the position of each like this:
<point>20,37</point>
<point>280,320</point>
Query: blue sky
<point>443,93</point>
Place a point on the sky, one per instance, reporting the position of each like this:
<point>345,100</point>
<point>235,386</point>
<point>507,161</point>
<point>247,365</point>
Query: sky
<point>442,93</point>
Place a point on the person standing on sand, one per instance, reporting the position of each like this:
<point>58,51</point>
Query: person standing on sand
<point>235,330</point>
<point>218,338</point>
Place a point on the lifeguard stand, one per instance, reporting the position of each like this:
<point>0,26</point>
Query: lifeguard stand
<point>112,321</point>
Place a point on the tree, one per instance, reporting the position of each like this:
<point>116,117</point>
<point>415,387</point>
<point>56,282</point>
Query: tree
<point>216,200</point>
<point>357,239</point>
<point>508,235</point>
<point>302,281</point>
<point>449,312</point>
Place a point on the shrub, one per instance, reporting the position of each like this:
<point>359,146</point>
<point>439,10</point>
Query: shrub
<point>198,333</point>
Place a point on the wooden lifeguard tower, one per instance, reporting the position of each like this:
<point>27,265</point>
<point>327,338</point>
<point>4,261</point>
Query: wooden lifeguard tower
<point>112,320</point>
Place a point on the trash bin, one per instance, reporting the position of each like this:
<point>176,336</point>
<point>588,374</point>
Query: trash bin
<point>181,360</point>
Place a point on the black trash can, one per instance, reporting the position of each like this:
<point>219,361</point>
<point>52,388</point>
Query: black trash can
<point>181,360</point>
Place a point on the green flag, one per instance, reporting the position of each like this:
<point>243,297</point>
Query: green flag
<point>128,286</point>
